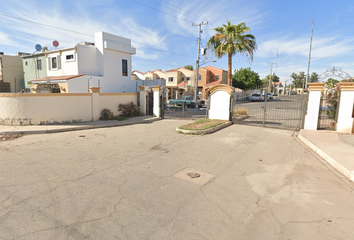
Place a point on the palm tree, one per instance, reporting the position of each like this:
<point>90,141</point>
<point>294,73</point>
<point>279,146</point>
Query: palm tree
<point>232,39</point>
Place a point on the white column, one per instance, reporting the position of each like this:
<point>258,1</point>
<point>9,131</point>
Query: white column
<point>142,99</point>
<point>156,109</point>
<point>313,106</point>
<point>95,103</point>
<point>346,108</point>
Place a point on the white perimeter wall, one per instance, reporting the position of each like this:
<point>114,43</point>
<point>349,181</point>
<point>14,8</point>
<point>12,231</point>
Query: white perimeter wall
<point>112,100</point>
<point>35,109</point>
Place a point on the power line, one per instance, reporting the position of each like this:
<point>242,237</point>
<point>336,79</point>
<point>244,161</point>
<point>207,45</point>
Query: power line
<point>159,10</point>
<point>184,12</point>
<point>84,34</point>
<point>43,24</point>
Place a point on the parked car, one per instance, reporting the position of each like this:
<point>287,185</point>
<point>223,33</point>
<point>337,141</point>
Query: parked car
<point>188,101</point>
<point>270,96</point>
<point>256,97</point>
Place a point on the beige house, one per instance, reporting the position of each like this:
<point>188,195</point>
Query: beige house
<point>11,73</point>
<point>180,80</point>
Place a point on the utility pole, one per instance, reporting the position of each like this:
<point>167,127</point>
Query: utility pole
<point>276,69</point>
<point>271,77</point>
<point>197,62</point>
<point>308,63</point>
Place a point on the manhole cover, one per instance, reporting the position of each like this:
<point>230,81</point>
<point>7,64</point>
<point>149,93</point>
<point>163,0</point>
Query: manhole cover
<point>193,175</point>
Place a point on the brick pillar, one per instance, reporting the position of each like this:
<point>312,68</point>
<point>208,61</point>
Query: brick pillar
<point>95,103</point>
<point>157,108</point>
<point>142,99</point>
<point>346,108</point>
<point>313,106</point>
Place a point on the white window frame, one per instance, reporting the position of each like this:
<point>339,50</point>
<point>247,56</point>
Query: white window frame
<point>39,64</point>
<point>170,80</point>
<point>50,63</point>
<point>71,59</point>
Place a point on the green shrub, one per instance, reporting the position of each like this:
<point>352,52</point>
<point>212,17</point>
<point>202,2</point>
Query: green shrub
<point>129,109</point>
<point>106,114</point>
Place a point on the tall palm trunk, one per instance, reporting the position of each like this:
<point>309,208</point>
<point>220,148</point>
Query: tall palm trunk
<point>229,68</point>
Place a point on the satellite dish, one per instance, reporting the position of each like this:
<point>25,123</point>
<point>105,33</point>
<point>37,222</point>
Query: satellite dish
<point>55,43</point>
<point>38,47</point>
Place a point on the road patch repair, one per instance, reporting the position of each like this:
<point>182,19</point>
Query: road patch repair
<point>194,176</point>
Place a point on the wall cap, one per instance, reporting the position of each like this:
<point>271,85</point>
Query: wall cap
<point>316,86</point>
<point>221,87</point>
<point>346,86</point>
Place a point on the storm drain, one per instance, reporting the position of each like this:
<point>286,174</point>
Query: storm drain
<point>194,176</point>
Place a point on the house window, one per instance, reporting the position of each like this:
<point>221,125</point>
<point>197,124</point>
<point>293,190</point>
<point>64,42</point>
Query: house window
<point>217,77</point>
<point>39,64</point>
<point>211,78</point>
<point>124,67</point>
<point>70,57</point>
<point>170,79</point>
<point>188,79</point>
<point>54,63</point>
<point>26,63</point>
<point>199,77</point>
<point>182,79</point>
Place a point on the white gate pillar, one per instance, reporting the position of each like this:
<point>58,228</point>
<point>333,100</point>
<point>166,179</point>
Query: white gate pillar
<point>313,106</point>
<point>156,108</point>
<point>346,108</point>
<point>142,99</point>
<point>220,96</point>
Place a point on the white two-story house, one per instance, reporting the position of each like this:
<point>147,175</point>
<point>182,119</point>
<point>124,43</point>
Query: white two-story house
<point>105,63</point>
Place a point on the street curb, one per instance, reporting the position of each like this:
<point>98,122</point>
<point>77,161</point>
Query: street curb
<point>203,132</point>
<point>339,167</point>
<point>69,129</point>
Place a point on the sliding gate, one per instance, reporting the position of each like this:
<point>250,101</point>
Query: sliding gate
<point>286,111</point>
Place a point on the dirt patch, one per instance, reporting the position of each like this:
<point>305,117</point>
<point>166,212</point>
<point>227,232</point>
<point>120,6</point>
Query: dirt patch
<point>203,124</point>
<point>8,137</point>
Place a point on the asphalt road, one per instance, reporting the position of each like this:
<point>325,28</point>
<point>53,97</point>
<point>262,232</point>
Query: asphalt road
<point>132,182</point>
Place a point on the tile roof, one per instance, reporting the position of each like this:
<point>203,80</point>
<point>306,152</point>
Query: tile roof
<point>55,78</point>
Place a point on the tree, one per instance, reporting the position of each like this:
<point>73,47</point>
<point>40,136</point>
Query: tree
<point>232,39</point>
<point>313,78</point>
<point>190,67</point>
<point>245,78</point>
<point>298,79</point>
<point>273,77</point>
<point>331,83</point>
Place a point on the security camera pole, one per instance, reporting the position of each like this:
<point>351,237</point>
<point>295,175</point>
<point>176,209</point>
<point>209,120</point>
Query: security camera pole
<point>197,62</point>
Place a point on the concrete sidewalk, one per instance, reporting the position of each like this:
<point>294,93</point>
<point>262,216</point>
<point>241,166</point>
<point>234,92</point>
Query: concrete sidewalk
<point>336,148</point>
<point>40,129</point>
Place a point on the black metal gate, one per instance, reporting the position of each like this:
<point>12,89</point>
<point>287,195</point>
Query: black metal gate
<point>328,113</point>
<point>285,111</point>
<point>150,102</point>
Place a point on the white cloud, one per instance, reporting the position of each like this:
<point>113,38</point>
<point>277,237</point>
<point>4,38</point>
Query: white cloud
<point>5,40</point>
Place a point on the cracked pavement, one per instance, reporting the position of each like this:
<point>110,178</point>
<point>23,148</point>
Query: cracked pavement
<point>116,183</point>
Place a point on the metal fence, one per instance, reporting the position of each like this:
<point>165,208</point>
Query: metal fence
<point>328,113</point>
<point>286,111</point>
<point>184,113</point>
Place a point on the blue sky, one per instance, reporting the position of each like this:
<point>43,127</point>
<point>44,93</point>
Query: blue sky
<point>163,34</point>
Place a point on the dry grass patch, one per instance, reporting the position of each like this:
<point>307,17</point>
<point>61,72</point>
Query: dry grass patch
<point>203,124</point>
<point>241,111</point>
